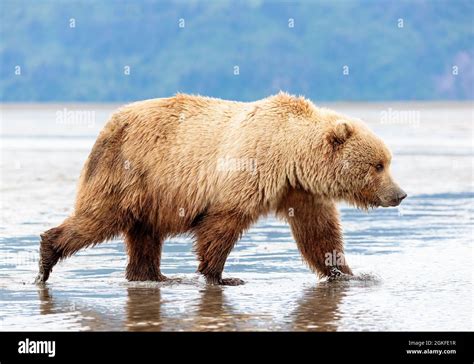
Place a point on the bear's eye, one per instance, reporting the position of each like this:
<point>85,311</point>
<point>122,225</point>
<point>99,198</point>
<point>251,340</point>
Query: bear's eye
<point>379,167</point>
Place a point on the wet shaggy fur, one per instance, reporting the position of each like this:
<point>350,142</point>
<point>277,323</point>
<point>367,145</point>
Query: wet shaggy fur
<point>158,169</point>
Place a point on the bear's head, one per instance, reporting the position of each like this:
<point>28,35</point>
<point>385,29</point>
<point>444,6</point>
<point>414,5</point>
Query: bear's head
<point>360,165</point>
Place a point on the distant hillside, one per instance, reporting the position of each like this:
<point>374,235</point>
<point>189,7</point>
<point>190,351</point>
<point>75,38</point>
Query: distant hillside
<point>80,50</point>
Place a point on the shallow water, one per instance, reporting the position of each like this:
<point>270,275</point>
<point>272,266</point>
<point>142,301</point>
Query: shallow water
<point>413,264</point>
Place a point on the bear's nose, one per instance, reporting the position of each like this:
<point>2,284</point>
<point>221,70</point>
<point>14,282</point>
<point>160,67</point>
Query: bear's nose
<point>401,196</point>
<point>397,197</point>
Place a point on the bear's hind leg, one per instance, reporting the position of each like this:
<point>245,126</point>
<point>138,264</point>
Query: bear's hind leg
<point>75,233</point>
<point>49,254</point>
<point>216,235</point>
<point>144,253</point>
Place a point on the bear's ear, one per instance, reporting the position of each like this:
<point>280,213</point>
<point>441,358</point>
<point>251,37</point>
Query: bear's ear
<point>339,134</point>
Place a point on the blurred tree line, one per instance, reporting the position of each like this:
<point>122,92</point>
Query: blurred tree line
<point>244,50</point>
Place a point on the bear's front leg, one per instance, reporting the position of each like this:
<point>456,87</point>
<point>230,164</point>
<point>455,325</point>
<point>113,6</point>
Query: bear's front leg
<point>317,231</point>
<point>216,235</point>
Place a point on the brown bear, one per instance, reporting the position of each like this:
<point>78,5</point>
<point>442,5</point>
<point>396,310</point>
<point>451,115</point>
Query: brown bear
<point>211,168</point>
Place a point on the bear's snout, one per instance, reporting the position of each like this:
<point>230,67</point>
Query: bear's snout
<point>396,198</point>
<point>399,197</point>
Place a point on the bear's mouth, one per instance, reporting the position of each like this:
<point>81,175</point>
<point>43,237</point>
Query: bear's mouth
<point>389,204</point>
<point>378,202</point>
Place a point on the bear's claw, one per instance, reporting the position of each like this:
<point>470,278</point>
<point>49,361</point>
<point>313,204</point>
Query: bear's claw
<point>231,282</point>
<point>225,281</point>
<point>169,280</point>
<point>43,274</point>
<point>40,279</point>
<point>334,273</point>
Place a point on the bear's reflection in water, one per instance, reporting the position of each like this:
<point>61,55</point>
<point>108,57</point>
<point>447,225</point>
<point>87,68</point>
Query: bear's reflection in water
<point>318,308</point>
<point>147,310</point>
<point>143,309</point>
<point>78,314</point>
